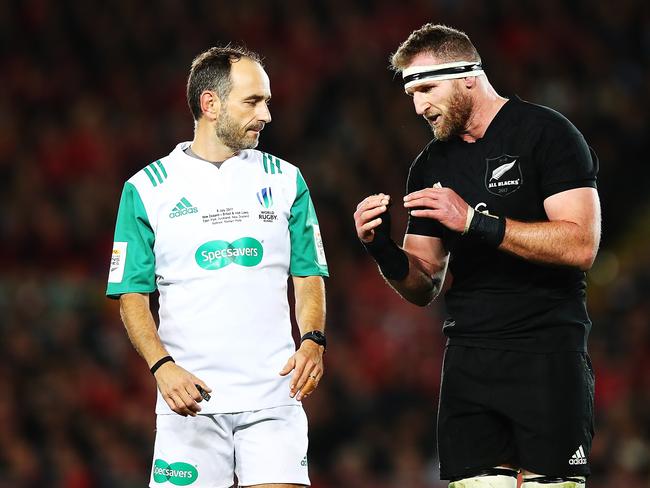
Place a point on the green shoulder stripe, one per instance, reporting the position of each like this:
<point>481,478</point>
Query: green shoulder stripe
<point>162,168</point>
<point>271,164</point>
<point>148,173</point>
<point>156,173</point>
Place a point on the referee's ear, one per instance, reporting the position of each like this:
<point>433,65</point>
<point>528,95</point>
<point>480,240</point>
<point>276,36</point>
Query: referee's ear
<point>210,104</point>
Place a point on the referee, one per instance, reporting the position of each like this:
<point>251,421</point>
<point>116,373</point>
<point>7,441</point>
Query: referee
<point>504,196</point>
<point>217,227</point>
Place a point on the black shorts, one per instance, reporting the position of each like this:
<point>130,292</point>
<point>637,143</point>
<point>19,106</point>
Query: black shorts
<point>532,411</point>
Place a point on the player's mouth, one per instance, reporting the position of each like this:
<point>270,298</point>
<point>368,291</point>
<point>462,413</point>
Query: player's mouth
<point>434,119</point>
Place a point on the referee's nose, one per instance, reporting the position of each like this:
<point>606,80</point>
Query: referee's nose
<point>263,112</point>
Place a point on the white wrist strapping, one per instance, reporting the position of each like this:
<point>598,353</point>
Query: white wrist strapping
<point>468,220</point>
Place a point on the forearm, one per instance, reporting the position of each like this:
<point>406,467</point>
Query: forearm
<point>310,303</point>
<point>558,243</point>
<point>419,287</point>
<point>141,327</point>
<point>416,271</point>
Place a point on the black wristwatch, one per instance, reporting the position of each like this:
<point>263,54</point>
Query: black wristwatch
<point>315,335</point>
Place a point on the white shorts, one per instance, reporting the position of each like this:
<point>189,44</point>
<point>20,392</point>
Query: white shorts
<point>261,446</point>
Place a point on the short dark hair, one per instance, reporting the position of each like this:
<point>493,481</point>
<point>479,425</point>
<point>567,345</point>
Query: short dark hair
<point>211,71</point>
<point>441,41</point>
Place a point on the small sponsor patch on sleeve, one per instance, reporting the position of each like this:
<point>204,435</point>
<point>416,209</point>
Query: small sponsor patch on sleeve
<point>118,260</point>
<point>320,250</point>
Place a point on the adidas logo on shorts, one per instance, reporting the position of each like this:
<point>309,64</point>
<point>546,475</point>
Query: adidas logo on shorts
<point>578,457</point>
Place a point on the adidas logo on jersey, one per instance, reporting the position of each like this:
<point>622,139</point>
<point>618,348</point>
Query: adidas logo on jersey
<point>578,457</point>
<point>184,207</point>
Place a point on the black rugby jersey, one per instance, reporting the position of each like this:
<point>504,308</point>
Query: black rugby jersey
<point>498,300</point>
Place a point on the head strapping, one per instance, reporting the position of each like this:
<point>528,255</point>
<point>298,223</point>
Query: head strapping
<point>416,75</point>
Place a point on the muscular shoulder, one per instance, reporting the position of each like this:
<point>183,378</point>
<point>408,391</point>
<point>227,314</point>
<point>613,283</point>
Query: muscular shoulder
<point>430,151</point>
<point>424,165</point>
<point>541,119</point>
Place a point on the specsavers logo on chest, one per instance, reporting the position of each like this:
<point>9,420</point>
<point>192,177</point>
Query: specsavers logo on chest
<point>179,474</point>
<point>245,251</point>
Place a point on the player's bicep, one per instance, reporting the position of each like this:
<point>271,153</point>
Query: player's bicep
<point>580,206</point>
<point>429,253</point>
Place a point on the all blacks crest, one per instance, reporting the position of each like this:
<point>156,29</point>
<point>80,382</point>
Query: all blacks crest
<point>503,175</point>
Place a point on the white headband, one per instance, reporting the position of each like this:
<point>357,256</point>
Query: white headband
<point>416,75</point>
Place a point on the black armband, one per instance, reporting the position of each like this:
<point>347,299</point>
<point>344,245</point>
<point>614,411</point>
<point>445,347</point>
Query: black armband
<point>392,261</point>
<point>160,362</point>
<point>487,228</point>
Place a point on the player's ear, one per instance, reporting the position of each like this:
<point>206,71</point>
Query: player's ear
<point>469,82</point>
<point>210,104</point>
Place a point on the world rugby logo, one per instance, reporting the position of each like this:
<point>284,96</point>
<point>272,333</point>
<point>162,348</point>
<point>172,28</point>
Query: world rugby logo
<point>265,197</point>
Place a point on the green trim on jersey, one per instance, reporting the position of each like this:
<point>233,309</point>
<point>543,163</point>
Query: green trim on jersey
<point>148,173</point>
<point>153,169</point>
<point>307,256</point>
<point>271,164</point>
<point>162,168</point>
<point>134,229</point>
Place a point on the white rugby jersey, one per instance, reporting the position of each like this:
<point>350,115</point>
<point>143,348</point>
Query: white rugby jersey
<point>219,245</point>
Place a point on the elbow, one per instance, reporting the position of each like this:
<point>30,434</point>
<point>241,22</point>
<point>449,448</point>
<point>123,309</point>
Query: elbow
<point>421,301</point>
<point>587,257</point>
<point>589,249</point>
<point>424,299</point>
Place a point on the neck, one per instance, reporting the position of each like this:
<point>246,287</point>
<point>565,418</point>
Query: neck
<point>208,146</point>
<point>486,106</point>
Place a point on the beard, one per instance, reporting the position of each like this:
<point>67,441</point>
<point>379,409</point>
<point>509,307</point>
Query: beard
<point>233,136</point>
<point>454,121</point>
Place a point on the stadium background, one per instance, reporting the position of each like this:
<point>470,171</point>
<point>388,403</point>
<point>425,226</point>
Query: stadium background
<point>92,91</point>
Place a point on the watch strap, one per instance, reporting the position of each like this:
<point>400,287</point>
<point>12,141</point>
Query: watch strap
<point>315,335</point>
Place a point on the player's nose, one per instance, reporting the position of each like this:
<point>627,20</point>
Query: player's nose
<point>421,103</point>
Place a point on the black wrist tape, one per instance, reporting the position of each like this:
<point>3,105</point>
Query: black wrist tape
<point>392,261</point>
<point>160,362</point>
<point>487,228</point>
